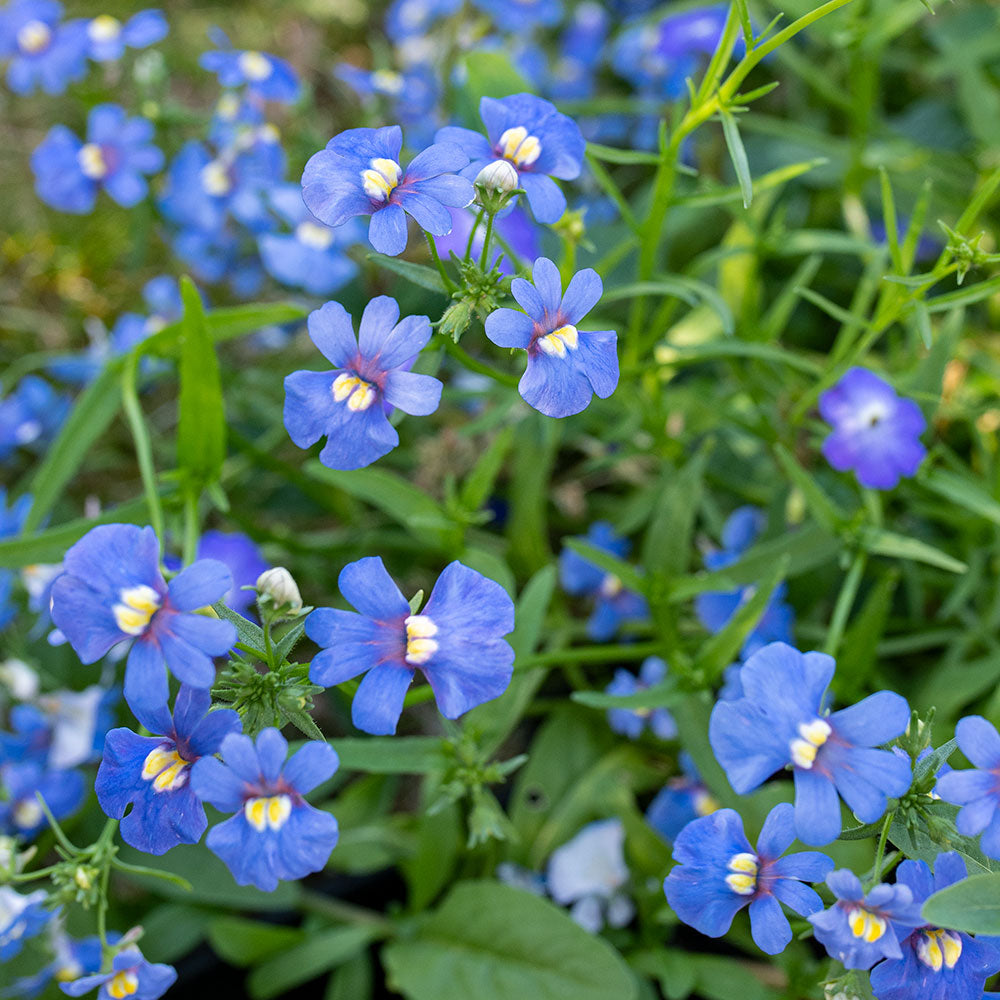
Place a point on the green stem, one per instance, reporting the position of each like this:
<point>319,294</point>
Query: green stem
<point>143,446</point>
<point>191,532</point>
<point>593,654</point>
<point>880,850</point>
<point>484,256</point>
<point>439,264</point>
<point>845,601</point>
<point>335,909</point>
<point>462,355</point>
<point>472,234</point>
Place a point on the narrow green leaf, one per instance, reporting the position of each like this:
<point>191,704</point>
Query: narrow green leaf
<point>713,350</point>
<point>417,274</point>
<point>661,695</point>
<point>89,419</point>
<point>243,942</point>
<point>922,321</point>
<point>609,154</point>
<point>480,481</point>
<point>774,178</point>
<point>201,426</point>
<point>965,296</point>
<point>738,155</point>
<point>820,505</point>
<point>390,755</point>
<point>889,218</point>
<point>887,543</point>
<point>627,575</point>
<point>688,290</point>
<point>964,492</point>
<point>248,632</point>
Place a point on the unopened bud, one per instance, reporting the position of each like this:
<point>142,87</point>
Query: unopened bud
<point>500,175</point>
<point>279,588</point>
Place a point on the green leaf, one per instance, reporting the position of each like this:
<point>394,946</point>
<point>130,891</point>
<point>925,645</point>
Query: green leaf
<point>390,755</point>
<point>480,481</point>
<point>972,905</point>
<point>246,942</point>
<point>89,419</point>
<point>626,573</point>
<point>738,155</point>
<point>493,942</point>
<point>712,350</point>
<point>354,980</point>
<point>201,425</point>
<point>661,695</point>
<point>820,505</point>
<point>417,274</point>
<point>406,504</point>
<point>322,951</point>
<point>486,74</point>
<point>887,543</point>
<point>609,154</point>
<point>688,290</point>
<point>248,633</point>
<point>172,930</point>
<point>963,491</point>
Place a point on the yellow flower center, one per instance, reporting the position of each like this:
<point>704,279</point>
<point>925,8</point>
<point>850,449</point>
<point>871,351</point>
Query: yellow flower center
<point>358,393</point>
<point>124,984</point>
<point>743,880</point>
<point>166,769</point>
<point>92,162</point>
<point>938,948</point>
<point>104,28</point>
<point>27,814</point>
<point>381,178</point>
<point>34,37</point>
<point>313,235</point>
<point>812,735</point>
<point>136,607</point>
<point>705,804</point>
<point>215,178</point>
<point>519,147</point>
<point>559,342</point>
<point>865,924</point>
<point>254,66</point>
<point>269,811</point>
<point>420,642</point>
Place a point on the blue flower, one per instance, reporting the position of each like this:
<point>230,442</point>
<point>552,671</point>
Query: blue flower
<point>456,642</point>
<point>274,834</point>
<point>108,37</point>
<point>411,96</point>
<point>21,917</point>
<point>11,520</point>
<point>30,417</point>
<point>21,814</point>
<point>937,964</point>
<point>66,730</point>
<point>42,52</point>
<point>116,155</point>
<point>350,405</point>
<point>521,15</point>
<point>780,722</point>
<point>566,366</point>
<point>631,722</point>
<point>715,609</point>
<point>589,872</point>
<point>152,773</point>
<point>613,604</point>
<point>680,801</point>
<point>719,873</point>
<point>408,19</point>
<point>581,49</point>
<point>131,976</point>
<point>859,930</point>
<point>265,76</point>
<point>531,134</point>
<point>359,174</point>
<point>112,590</point>
<point>73,958</point>
<point>311,257</point>
<point>976,791</point>
<point>875,432</point>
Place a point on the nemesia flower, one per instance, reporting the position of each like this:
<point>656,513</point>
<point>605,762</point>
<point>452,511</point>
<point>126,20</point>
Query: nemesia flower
<point>977,790</point>
<point>11,520</point>
<point>311,257</point>
<point>20,813</point>
<point>75,724</point>
<point>715,609</point>
<point>566,366</point>
<point>30,416</point>
<point>274,833</point>
<point>519,15</point>
<point>780,721</point>
<point>265,76</point>
<point>407,19</point>
<point>719,873</point>
<point>71,959</point>
<point>350,405</point>
<point>108,37</point>
<point>112,590</point>
<point>589,872</point>
<point>859,930</point>
<point>409,96</point>
<point>116,155</point>
<point>613,604</point>
<point>631,722</point>
<point>359,173</point>
<point>240,553</point>
<point>937,964</point>
<point>455,641</point>
<point>21,917</point>
<point>131,977</point>
<point>537,139</point>
<point>152,774</point>
<point>680,801</point>
<point>875,432</point>
<point>43,53</point>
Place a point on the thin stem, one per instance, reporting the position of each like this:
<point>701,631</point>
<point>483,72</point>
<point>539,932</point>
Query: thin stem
<point>479,367</point>
<point>484,256</point>
<point>435,256</point>
<point>592,654</point>
<point>845,601</point>
<point>143,446</point>
<point>190,526</point>
<point>472,234</point>
<point>880,850</point>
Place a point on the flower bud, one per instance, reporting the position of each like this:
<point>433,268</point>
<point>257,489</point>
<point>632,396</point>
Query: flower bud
<point>498,176</point>
<point>277,586</point>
